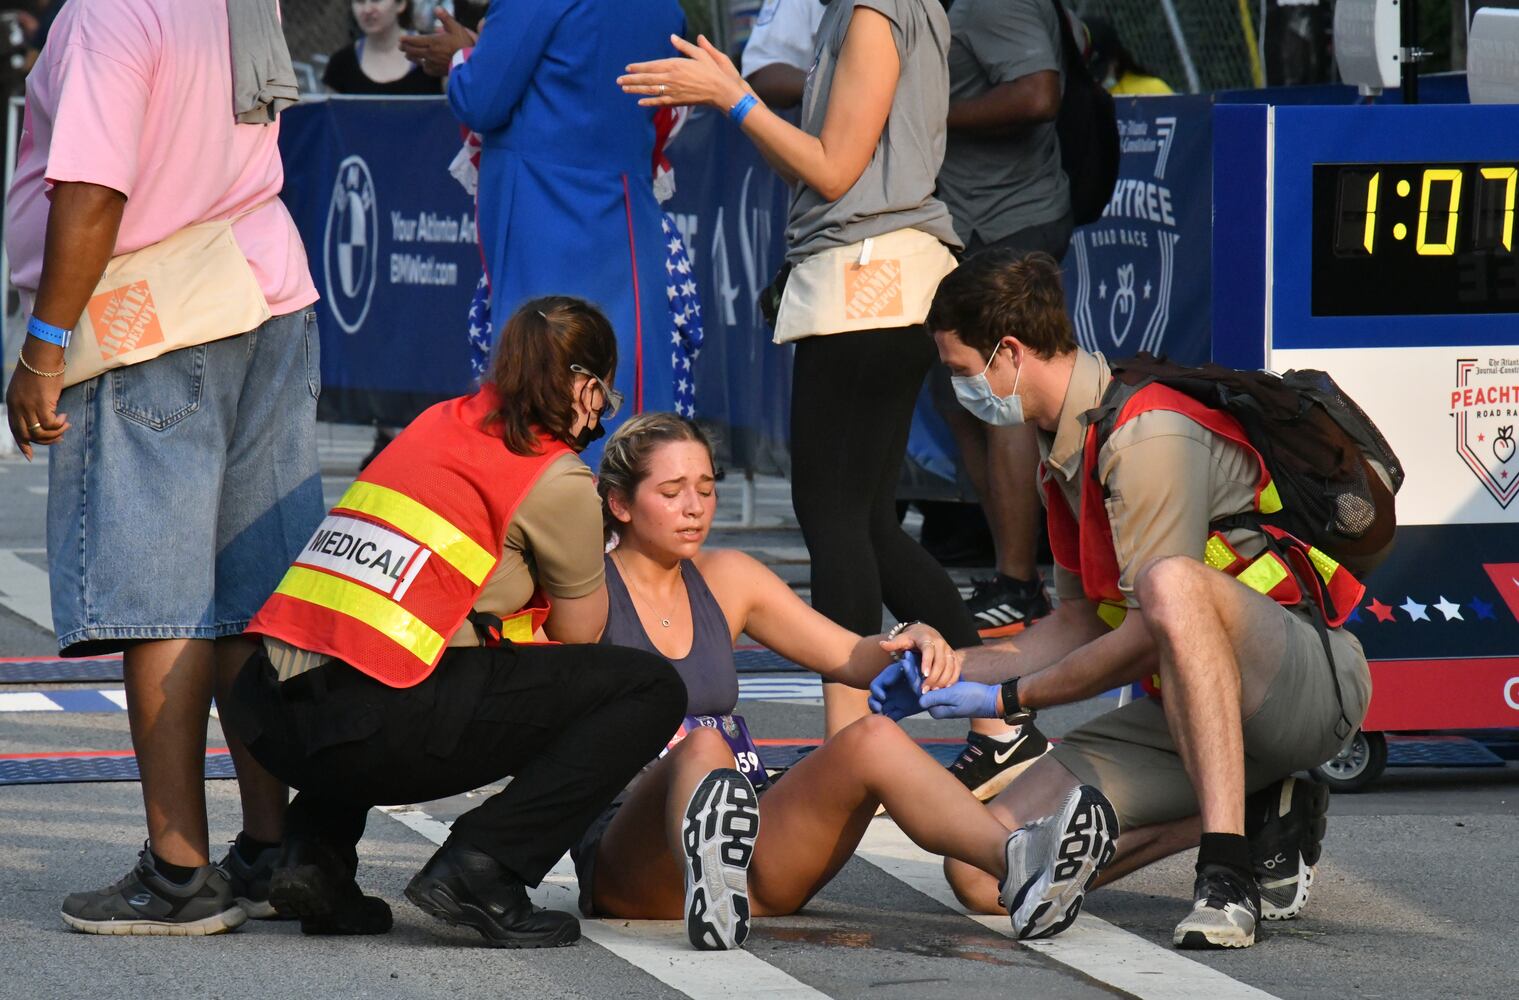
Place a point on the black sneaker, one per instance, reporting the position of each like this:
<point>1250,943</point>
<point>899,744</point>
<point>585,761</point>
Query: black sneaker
<point>145,902</point>
<point>1293,815</point>
<point>986,766</point>
<point>1225,909</point>
<point>250,881</point>
<point>312,884</point>
<point>467,888</point>
<point>722,823</point>
<point>1003,606</point>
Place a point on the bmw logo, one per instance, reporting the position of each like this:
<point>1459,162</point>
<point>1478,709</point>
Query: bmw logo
<point>351,246</point>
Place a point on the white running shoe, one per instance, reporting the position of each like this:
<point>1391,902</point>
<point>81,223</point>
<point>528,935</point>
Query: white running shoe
<point>722,822</point>
<point>1052,861</point>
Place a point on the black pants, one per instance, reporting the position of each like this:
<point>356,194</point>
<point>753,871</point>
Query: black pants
<point>852,400</point>
<point>570,724</point>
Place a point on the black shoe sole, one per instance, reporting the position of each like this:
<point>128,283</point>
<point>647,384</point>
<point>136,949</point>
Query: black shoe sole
<point>308,893</point>
<point>436,899</point>
<point>721,826</point>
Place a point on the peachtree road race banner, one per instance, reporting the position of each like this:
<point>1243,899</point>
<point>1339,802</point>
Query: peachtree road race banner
<point>1140,278</point>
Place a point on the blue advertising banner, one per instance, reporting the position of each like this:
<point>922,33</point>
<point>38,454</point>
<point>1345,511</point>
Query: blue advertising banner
<point>1139,278</point>
<point>390,236</point>
<point>391,241</point>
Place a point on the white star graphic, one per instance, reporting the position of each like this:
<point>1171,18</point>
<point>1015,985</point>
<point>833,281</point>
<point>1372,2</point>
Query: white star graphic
<point>675,337</point>
<point>1415,611</point>
<point>1102,289</point>
<point>670,267</point>
<point>681,386</point>
<point>1147,289</point>
<point>671,291</point>
<point>685,363</point>
<point>689,288</point>
<point>680,319</point>
<point>674,245</point>
<point>1449,610</point>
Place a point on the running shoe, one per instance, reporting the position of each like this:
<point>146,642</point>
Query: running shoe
<point>986,766</point>
<point>1002,606</point>
<point>145,902</point>
<point>1292,816</point>
<point>1051,863</point>
<point>1225,909</point>
<point>722,822</point>
<point>250,881</point>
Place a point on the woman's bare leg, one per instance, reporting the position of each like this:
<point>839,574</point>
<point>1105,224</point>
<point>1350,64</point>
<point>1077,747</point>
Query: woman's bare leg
<point>813,819</point>
<point>640,865</point>
<point>1037,793</point>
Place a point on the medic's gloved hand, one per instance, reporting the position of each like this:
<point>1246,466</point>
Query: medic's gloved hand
<point>894,693</point>
<point>963,700</point>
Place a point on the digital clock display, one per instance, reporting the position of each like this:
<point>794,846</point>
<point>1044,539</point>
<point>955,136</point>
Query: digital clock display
<point>1393,239</point>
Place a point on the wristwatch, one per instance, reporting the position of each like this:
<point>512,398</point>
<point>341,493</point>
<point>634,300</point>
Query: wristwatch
<point>1012,711</point>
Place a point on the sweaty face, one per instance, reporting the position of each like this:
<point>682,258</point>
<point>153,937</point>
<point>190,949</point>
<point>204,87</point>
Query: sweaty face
<point>671,510</point>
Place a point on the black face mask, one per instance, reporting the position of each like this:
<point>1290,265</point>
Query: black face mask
<point>589,434</point>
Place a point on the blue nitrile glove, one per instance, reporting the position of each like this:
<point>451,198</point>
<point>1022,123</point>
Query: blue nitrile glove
<point>963,700</point>
<point>894,693</point>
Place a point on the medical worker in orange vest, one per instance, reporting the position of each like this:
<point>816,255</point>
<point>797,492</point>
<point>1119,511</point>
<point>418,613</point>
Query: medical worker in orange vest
<point>397,662</point>
<point>1160,582</point>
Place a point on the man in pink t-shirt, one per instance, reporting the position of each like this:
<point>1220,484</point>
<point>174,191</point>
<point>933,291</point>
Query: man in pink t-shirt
<point>178,488</point>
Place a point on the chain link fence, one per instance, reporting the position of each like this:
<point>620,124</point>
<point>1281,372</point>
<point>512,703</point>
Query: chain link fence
<point>1194,45</point>
<point>314,29</point>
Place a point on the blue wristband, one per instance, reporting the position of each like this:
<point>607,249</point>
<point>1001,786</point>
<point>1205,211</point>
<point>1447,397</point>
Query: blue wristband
<point>743,107</point>
<point>48,332</point>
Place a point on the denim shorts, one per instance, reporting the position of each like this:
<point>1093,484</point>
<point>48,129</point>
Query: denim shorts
<point>184,488</point>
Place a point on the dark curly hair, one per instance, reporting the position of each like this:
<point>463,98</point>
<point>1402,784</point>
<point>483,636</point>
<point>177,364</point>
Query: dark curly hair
<point>1005,293</point>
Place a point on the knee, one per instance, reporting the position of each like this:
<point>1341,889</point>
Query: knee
<point>1167,586</point>
<point>707,746</point>
<point>872,731</point>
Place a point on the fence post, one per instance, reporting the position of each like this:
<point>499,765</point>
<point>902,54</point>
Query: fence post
<point>1194,86</point>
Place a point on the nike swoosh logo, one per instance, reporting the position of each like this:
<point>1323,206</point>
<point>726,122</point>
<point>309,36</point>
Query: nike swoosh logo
<point>1001,757</point>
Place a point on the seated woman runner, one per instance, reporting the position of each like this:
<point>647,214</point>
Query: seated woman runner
<point>684,839</point>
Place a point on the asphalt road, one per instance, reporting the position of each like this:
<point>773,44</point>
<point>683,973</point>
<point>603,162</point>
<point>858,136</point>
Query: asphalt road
<point>1414,897</point>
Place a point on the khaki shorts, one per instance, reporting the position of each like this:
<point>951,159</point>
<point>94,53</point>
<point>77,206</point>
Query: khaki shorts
<point>1129,755</point>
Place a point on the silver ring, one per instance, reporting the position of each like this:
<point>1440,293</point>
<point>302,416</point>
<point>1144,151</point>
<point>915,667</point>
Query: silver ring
<point>663,88</point>
<point>34,427</point>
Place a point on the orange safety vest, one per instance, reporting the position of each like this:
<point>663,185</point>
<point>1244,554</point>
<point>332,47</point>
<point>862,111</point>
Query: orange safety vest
<point>397,565</point>
<point>1085,546</point>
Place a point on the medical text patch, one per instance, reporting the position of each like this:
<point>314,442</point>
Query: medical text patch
<point>366,553</point>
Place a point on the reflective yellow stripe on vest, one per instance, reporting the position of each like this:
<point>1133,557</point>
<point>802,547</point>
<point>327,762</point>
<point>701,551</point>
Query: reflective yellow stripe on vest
<point>1270,500</point>
<point>431,529</point>
<point>1112,613</point>
<point>518,628</point>
<point>362,604</point>
<point>1263,574</point>
<point>1326,566</point>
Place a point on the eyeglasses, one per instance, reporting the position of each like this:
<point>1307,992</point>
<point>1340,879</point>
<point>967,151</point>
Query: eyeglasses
<point>612,396</point>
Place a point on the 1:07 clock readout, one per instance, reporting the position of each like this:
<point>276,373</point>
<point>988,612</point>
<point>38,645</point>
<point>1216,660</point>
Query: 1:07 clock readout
<point>1414,239</point>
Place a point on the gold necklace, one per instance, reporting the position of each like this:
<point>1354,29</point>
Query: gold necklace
<point>663,619</point>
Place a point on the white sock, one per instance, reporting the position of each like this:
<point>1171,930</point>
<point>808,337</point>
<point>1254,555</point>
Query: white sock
<point>1007,737</point>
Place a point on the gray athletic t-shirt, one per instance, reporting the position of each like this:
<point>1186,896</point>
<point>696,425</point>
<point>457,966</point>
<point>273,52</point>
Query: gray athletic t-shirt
<point>896,191</point>
<point>996,185</point>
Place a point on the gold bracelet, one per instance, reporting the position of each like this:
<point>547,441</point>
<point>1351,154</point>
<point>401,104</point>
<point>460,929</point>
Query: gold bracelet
<point>57,374</point>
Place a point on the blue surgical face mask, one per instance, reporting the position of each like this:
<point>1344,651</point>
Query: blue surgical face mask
<point>975,394</point>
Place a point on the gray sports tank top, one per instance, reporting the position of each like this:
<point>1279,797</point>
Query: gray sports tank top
<point>708,670</point>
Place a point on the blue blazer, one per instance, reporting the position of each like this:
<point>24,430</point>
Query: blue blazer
<point>566,199</point>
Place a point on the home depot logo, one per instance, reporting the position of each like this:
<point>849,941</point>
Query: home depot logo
<point>873,290</point>
<point>125,319</point>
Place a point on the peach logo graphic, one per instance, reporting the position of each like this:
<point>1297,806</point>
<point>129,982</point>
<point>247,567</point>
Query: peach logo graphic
<point>125,319</point>
<point>873,290</point>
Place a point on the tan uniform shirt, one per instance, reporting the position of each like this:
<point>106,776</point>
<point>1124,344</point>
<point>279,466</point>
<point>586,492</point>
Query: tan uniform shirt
<point>1167,479</point>
<point>553,538</point>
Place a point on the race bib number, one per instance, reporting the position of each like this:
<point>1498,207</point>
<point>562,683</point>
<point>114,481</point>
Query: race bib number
<point>366,553</point>
<point>736,732</point>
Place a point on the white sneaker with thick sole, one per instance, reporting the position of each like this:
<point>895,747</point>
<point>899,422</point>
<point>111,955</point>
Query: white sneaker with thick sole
<point>1051,863</point>
<point>722,822</point>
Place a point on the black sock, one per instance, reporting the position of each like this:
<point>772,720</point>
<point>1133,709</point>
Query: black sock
<point>178,874</point>
<point>249,849</point>
<point>1020,586</point>
<point>1229,850</point>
